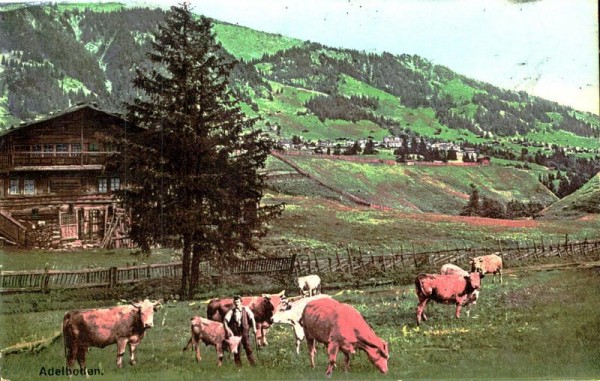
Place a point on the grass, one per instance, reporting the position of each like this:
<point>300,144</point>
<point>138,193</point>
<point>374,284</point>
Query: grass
<point>23,259</point>
<point>246,44</point>
<point>328,226</point>
<point>425,189</point>
<point>537,325</point>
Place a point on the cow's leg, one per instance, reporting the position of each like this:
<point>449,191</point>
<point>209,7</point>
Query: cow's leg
<point>421,310</point>
<point>332,350</point>
<point>121,345</point>
<point>499,272</point>
<point>459,304</point>
<point>264,330</point>
<point>312,349</point>
<point>347,349</point>
<point>81,352</point>
<point>71,354</point>
<point>133,343</point>
<point>219,349</point>
<point>196,346</point>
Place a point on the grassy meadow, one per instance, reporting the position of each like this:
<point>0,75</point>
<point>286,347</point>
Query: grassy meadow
<point>443,189</point>
<point>537,325</point>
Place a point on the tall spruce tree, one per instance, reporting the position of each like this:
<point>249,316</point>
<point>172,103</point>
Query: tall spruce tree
<point>192,170</point>
<point>472,207</point>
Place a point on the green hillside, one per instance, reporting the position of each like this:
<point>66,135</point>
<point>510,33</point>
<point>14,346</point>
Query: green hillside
<point>578,204</point>
<point>443,189</point>
<point>247,44</point>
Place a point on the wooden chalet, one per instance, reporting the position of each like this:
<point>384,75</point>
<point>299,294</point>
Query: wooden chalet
<point>55,190</point>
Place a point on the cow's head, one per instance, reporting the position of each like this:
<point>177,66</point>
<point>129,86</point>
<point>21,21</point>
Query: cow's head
<point>146,310</point>
<point>477,265</point>
<point>279,300</point>
<point>378,354</point>
<point>233,342</point>
<point>474,280</point>
<point>265,310</point>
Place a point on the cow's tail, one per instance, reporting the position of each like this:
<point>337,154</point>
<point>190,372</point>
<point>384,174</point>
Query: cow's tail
<point>419,285</point>
<point>66,334</point>
<point>188,345</point>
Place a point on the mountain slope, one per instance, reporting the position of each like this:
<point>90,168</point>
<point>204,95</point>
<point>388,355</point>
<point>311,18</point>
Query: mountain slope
<point>54,56</point>
<point>583,201</point>
<point>80,53</point>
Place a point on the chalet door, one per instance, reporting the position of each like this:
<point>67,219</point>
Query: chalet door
<point>96,223</point>
<point>68,225</point>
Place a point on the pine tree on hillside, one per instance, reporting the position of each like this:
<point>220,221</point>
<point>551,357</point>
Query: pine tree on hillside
<point>472,207</point>
<point>193,169</point>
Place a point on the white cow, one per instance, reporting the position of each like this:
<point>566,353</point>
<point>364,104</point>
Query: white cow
<point>309,283</point>
<point>292,316</point>
<point>449,269</point>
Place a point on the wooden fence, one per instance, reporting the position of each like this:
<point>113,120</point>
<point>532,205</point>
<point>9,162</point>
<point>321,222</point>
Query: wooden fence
<point>355,260</point>
<point>46,280</point>
<point>351,261</point>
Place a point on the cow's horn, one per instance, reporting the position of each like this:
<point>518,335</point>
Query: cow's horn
<point>136,305</point>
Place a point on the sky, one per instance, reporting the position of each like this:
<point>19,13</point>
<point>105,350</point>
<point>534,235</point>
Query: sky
<point>547,48</point>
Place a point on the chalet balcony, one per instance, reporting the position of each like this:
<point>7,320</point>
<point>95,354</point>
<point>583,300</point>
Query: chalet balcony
<point>44,161</point>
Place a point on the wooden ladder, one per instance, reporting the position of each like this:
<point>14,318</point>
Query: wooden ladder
<point>108,236</point>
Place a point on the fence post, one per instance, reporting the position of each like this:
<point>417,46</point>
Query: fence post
<point>349,261</point>
<point>542,243</point>
<point>45,280</point>
<point>414,256</point>
<point>293,262</point>
<point>317,263</point>
<point>112,279</point>
<point>330,268</point>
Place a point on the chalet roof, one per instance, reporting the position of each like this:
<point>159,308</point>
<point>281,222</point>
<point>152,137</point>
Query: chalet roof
<point>54,115</point>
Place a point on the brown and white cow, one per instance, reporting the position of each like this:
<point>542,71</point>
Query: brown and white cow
<point>341,327</point>
<point>310,284</point>
<point>445,289</point>
<point>292,314</point>
<point>211,333</point>
<point>451,269</point>
<point>488,264</point>
<point>263,307</point>
<point>122,325</point>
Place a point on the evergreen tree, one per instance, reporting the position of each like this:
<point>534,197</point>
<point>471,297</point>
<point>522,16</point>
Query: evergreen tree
<point>192,171</point>
<point>472,207</point>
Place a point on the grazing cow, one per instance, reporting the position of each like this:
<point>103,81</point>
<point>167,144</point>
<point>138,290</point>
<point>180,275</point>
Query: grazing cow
<point>122,325</point>
<point>450,269</point>
<point>488,264</point>
<point>445,289</point>
<point>263,308</point>
<point>211,333</point>
<point>341,327</point>
<point>309,283</point>
<point>292,314</point>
